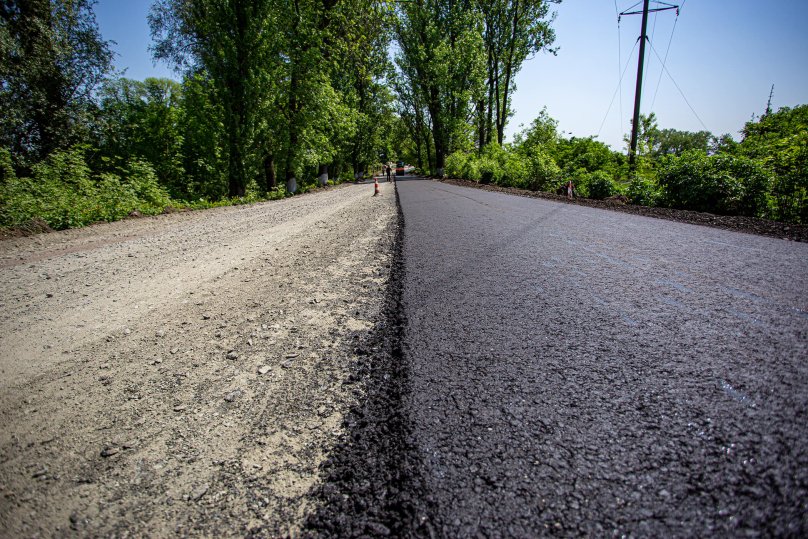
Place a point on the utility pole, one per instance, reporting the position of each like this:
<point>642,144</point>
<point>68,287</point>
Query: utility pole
<point>632,153</point>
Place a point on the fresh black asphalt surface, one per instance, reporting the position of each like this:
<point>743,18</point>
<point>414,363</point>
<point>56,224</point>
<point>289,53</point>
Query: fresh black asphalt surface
<point>548,369</point>
<point>573,371</point>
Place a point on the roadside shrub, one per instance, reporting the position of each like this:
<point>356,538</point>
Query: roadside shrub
<point>542,171</point>
<point>514,171</point>
<point>788,200</point>
<point>722,183</point>
<point>489,164</point>
<point>455,164</point>
<point>600,185</point>
<point>63,192</point>
<point>643,191</point>
<point>6,165</point>
<point>141,176</point>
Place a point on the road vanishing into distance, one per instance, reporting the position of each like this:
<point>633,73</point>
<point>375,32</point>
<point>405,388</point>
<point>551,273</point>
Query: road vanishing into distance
<point>435,361</point>
<point>575,371</point>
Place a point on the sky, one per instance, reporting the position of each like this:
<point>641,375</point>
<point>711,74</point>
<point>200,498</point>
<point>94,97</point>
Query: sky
<point>721,59</point>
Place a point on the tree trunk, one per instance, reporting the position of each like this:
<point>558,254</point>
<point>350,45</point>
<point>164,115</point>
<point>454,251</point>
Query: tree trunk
<point>270,179</point>
<point>508,71</point>
<point>237,109</point>
<point>235,158</point>
<point>291,182</point>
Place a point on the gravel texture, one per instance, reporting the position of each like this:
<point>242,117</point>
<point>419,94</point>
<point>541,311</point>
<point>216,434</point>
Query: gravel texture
<point>750,225</point>
<point>574,371</point>
<point>186,374</point>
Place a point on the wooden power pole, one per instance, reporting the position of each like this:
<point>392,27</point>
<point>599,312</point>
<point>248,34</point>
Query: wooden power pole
<point>632,152</point>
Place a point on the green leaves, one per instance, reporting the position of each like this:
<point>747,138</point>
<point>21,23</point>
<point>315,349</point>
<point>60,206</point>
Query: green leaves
<point>64,192</point>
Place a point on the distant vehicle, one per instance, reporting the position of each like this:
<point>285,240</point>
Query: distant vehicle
<point>400,170</point>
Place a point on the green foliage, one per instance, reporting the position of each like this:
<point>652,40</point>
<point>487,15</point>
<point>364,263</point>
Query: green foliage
<point>456,164</point>
<point>780,142</point>
<point>722,183</point>
<point>644,190</point>
<point>53,59</point>
<point>6,166</point>
<point>140,120</point>
<point>675,142</point>
<point>586,153</point>
<point>64,193</point>
<point>543,173</point>
<point>600,185</point>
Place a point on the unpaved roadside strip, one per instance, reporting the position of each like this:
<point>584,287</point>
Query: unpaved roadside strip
<point>185,374</point>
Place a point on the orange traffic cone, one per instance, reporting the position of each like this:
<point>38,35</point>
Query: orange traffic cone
<point>376,186</point>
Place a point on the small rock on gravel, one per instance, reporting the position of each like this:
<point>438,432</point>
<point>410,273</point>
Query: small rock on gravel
<point>233,395</point>
<point>109,451</point>
<point>263,369</point>
<point>199,491</point>
<point>232,354</point>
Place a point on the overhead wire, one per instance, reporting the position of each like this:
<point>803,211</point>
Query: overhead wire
<point>665,60</point>
<point>619,83</point>
<point>680,90</point>
<point>647,68</point>
<point>619,65</point>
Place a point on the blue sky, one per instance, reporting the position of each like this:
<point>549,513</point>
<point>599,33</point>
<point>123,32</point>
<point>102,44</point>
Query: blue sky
<point>724,56</point>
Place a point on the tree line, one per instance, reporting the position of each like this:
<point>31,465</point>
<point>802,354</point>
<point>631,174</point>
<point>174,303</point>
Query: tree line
<point>764,175</point>
<point>276,96</point>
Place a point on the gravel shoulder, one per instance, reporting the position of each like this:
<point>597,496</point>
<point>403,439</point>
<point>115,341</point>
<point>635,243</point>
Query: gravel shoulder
<point>185,374</point>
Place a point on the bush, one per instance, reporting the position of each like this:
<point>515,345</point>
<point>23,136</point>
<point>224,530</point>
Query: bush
<point>600,185</point>
<point>456,163</point>
<point>63,193</point>
<point>542,171</point>
<point>514,171</point>
<point>643,191</point>
<point>6,166</point>
<point>723,183</point>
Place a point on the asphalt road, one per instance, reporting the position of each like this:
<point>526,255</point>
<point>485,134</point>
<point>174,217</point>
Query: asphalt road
<point>577,371</point>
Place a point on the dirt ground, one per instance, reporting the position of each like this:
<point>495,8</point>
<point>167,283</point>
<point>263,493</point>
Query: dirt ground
<point>184,374</point>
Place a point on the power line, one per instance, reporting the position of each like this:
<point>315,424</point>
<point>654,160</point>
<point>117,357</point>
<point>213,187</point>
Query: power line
<point>619,86</point>
<point>680,90</point>
<point>648,61</point>
<point>664,61</point>
<point>619,75</point>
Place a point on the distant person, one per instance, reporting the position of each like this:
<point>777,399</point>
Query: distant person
<point>389,173</point>
<point>570,189</point>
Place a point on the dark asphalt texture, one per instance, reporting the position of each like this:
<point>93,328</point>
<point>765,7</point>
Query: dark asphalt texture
<point>573,371</point>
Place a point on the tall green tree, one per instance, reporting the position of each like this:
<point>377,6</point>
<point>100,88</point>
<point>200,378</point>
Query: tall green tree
<point>142,119</point>
<point>675,142</point>
<point>513,30</point>
<point>440,56</point>
<point>53,59</point>
<point>230,41</point>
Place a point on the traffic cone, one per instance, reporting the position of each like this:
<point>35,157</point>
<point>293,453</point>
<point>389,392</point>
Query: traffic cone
<point>376,186</point>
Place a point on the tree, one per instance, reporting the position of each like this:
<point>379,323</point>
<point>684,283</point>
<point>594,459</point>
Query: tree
<point>53,60</point>
<point>231,42</point>
<point>675,142</point>
<point>780,141</point>
<point>141,119</point>
<point>441,59</point>
<point>513,30</point>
